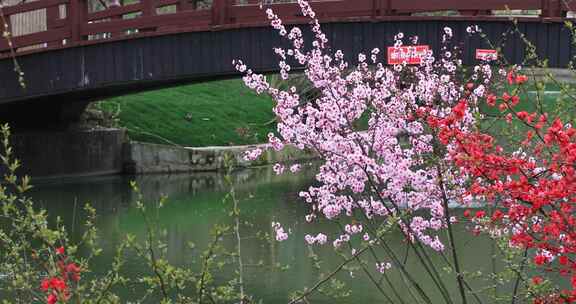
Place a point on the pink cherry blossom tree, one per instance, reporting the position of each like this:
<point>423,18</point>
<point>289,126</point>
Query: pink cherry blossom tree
<point>381,163</point>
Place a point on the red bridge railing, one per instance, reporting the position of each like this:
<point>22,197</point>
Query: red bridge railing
<point>65,23</point>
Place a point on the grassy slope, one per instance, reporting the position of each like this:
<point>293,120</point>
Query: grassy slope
<point>219,108</point>
<point>216,109</point>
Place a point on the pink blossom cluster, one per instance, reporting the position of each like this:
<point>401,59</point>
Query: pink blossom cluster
<point>281,235</point>
<point>278,169</point>
<point>295,168</point>
<point>382,267</point>
<point>320,239</point>
<point>340,240</point>
<point>382,169</point>
<point>353,229</point>
<point>253,154</point>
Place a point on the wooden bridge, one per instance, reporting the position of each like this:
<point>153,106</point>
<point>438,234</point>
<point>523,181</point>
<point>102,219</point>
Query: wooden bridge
<point>75,51</point>
<point>54,24</point>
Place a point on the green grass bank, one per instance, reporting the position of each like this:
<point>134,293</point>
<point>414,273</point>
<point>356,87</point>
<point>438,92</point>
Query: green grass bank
<point>216,113</point>
<point>225,112</point>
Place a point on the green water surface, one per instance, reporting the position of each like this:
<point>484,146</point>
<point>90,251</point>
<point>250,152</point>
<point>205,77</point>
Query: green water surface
<point>195,204</point>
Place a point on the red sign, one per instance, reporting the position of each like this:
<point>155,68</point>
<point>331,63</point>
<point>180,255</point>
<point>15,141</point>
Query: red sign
<point>407,54</point>
<point>486,55</point>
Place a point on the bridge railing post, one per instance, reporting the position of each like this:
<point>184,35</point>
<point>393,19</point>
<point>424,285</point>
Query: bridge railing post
<point>114,4</point>
<point>381,8</point>
<point>552,8</point>
<point>52,17</point>
<point>375,8</point>
<point>77,13</point>
<point>148,10</point>
<point>386,7</point>
<point>220,11</point>
<point>184,5</point>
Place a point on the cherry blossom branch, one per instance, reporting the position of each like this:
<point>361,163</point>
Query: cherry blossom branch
<point>518,276</point>
<point>6,34</point>
<point>318,284</point>
<point>459,276</point>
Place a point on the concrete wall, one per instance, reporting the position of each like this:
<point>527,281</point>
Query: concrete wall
<point>107,151</point>
<point>152,158</point>
<point>70,153</point>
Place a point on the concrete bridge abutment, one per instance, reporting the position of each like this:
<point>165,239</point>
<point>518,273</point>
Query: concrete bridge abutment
<point>71,153</point>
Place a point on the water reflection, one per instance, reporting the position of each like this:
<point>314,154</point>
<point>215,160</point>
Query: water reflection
<point>195,205</point>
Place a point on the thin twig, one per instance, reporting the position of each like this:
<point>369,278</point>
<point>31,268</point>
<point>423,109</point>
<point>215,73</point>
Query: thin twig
<point>328,277</point>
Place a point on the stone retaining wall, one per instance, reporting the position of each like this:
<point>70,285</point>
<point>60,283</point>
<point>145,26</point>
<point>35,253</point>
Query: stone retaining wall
<point>141,158</point>
<point>107,151</point>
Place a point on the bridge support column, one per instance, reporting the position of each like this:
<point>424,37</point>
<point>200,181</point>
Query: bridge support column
<point>58,154</point>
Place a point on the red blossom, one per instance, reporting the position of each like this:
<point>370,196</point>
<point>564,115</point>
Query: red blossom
<point>53,284</point>
<point>510,77</point>
<point>522,115</point>
<point>74,271</point>
<point>51,299</point>
<point>58,284</point>
<point>540,260</point>
<point>45,285</point>
<point>520,79</point>
<point>497,215</point>
<point>515,100</point>
<point>491,100</point>
<point>537,280</point>
<point>460,109</point>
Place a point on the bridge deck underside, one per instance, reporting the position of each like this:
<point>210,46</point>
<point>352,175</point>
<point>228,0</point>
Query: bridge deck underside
<point>114,68</point>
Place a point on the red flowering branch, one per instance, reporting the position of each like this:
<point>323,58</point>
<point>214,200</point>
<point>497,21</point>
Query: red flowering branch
<point>535,186</point>
<point>57,285</point>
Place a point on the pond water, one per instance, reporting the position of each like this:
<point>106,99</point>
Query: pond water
<point>195,204</point>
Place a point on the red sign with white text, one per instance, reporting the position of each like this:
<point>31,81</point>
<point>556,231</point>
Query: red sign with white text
<point>486,55</point>
<point>407,54</point>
